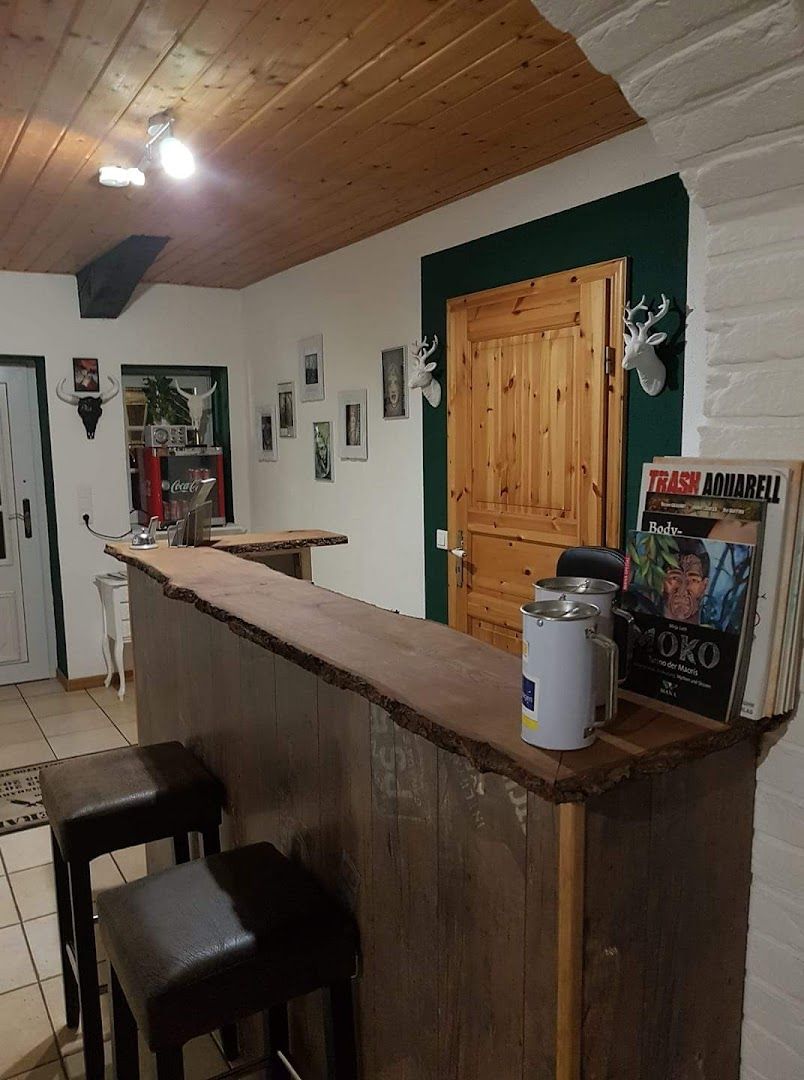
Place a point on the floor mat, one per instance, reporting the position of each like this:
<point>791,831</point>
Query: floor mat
<point>20,799</point>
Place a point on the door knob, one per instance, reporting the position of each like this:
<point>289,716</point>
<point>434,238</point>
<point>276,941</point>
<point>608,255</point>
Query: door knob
<point>459,553</point>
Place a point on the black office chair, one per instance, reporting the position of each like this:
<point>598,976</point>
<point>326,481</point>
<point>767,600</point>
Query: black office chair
<point>595,562</point>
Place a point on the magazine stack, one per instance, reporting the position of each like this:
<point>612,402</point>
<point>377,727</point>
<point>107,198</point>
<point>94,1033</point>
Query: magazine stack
<point>714,577</point>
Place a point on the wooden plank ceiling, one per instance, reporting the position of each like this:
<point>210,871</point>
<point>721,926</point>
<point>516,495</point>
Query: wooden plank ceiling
<point>314,122</point>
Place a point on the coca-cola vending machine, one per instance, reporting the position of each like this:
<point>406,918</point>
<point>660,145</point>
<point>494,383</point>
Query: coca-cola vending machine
<point>169,477</point>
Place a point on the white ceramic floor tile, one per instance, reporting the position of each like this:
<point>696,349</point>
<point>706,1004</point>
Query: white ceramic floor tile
<point>9,693</point>
<point>26,1037</point>
<point>131,862</point>
<point>74,1064</point>
<point>29,753</point>
<point>21,731</point>
<point>87,742</point>
<point>104,874</point>
<point>53,1071</point>
<point>85,720</point>
<point>43,938</point>
<point>41,687</point>
<point>8,911</point>
<point>69,1040</point>
<point>128,731</point>
<point>28,847</point>
<point>60,704</point>
<point>34,891</point>
<point>16,968</point>
<point>14,710</point>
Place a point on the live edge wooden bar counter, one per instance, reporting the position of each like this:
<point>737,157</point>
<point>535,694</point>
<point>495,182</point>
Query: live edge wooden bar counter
<point>523,914</point>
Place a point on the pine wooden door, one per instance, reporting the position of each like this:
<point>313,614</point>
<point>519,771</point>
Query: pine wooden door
<point>535,426</point>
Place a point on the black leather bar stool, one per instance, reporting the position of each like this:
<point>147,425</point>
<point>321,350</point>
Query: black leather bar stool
<point>98,804</point>
<point>202,945</point>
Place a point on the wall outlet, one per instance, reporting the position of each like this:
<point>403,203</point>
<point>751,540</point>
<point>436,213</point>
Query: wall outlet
<point>442,539</point>
<point>84,501</point>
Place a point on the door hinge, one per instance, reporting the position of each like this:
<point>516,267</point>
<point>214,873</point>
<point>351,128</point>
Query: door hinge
<point>608,359</point>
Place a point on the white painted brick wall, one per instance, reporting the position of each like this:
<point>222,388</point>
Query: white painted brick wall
<point>721,84</point>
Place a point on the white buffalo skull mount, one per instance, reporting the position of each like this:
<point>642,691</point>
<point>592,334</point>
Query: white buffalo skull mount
<point>90,406</point>
<point>422,375</point>
<point>196,403</point>
<point>639,345</point>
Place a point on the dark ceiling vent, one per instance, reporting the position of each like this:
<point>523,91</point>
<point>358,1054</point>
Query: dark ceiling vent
<point>105,285</point>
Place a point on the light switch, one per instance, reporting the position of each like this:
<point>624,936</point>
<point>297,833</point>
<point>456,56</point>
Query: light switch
<point>442,540</point>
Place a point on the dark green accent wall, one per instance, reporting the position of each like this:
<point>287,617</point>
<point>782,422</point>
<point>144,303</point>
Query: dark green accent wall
<point>648,224</point>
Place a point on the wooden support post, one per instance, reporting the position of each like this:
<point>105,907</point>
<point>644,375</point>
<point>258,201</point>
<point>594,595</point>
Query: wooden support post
<point>571,855</point>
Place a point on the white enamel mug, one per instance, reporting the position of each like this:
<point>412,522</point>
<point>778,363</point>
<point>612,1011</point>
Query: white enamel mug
<point>560,643</point>
<point>594,591</point>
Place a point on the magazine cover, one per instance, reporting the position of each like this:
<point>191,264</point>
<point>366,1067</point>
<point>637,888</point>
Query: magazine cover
<point>776,485</point>
<point>689,596</point>
<point>737,521</point>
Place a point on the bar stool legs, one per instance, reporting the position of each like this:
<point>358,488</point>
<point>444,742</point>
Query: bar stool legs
<point>276,1039</point>
<point>170,1065</point>
<point>86,968</point>
<point>125,1042</point>
<point>340,1032</point>
<point>72,1006</point>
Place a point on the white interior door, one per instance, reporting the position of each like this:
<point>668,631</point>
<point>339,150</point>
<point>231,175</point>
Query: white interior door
<point>26,621</point>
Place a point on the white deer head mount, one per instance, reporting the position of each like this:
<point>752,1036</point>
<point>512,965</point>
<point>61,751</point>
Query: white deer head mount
<point>639,347</point>
<point>196,403</point>
<point>422,375</point>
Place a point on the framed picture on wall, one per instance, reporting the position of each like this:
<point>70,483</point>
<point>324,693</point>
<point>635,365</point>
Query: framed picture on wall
<point>394,383</point>
<point>353,424</point>
<point>311,368</point>
<point>323,458</point>
<point>267,433</point>
<point>287,410</point>
<point>86,378</point>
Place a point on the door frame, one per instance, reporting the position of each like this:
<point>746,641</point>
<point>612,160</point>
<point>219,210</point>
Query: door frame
<point>57,651</point>
<point>615,274</point>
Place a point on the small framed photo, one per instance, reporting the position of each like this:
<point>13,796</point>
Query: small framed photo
<point>311,368</point>
<point>86,379</point>
<point>352,424</point>
<point>267,433</point>
<point>287,410</point>
<point>322,451</point>
<point>394,383</point>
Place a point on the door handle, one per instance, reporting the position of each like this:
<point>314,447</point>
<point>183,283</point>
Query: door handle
<point>26,518</point>
<point>459,554</point>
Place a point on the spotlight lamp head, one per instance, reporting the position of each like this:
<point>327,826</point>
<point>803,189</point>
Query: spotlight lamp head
<point>174,156</point>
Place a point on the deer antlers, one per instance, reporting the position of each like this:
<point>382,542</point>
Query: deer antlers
<point>639,331</point>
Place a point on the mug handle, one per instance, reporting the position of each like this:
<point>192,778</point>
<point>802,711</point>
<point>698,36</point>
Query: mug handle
<point>612,653</point>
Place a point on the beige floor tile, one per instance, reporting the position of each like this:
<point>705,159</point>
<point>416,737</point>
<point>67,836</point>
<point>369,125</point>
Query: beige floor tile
<point>28,847</point>
<point>16,968</point>
<point>202,1059</point>
<point>53,1071</point>
<point>86,742</point>
<point>86,720</point>
<point>128,731</point>
<point>43,938</point>
<point>60,704</point>
<point>9,693</point>
<point>8,910</point>
<point>34,891</point>
<point>28,753</point>
<point>104,874</point>
<point>69,1040</point>
<point>131,862</point>
<point>12,712</point>
<point>106,697</point>
<point>40,687</point>
<point>74,1064</point>
<point>26,1037</point>
<point>21,731</point>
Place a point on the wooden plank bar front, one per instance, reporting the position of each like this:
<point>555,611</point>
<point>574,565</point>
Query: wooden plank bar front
<point>506,932</point>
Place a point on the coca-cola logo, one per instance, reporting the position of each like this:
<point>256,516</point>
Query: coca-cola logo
<point>181,487</point>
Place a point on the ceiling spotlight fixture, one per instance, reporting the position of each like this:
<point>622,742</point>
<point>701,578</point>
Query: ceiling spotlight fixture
<point>173,155</point>
<point>118,176</point>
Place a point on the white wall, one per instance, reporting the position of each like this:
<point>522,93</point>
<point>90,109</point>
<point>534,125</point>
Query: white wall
<point>164,324</point>
<point>366,297</point>
<point>721,85</point>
